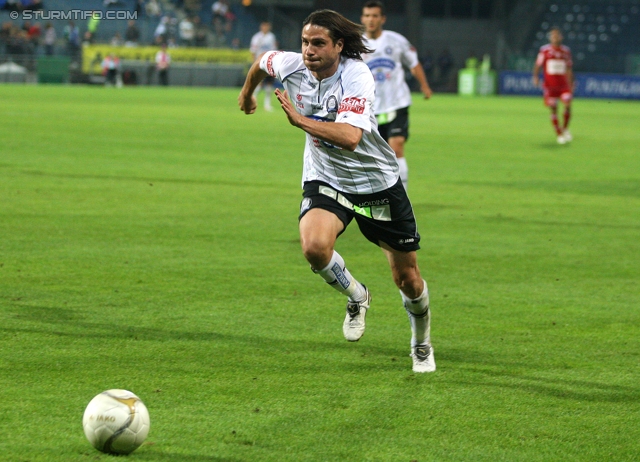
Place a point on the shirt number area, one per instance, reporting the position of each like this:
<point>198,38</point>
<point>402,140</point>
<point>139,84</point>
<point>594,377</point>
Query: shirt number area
<point>556,67</point>
<point>317,142</point>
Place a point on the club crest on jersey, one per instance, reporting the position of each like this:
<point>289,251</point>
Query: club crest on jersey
<point>355,105</point>
<point>388,50</point>
<point>332,104</point>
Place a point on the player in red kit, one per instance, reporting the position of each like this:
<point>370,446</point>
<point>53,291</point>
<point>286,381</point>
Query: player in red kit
<point>555,61</point>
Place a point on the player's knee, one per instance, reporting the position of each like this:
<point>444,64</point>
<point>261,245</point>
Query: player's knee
<point>317,252</point>
<point>409,282</point>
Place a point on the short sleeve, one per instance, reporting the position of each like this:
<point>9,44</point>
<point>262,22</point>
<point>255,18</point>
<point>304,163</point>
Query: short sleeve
<point>409,54</point>
<point>281,64</point>
<point>357,98</point>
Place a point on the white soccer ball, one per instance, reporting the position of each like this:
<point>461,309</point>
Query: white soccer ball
<point>116,422</point>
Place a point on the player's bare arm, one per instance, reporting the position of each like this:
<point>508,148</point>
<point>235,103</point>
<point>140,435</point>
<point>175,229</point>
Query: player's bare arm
<point>420,76</point>
<point>246,100</point>
<point>339,134</point>
<point>536,75</point>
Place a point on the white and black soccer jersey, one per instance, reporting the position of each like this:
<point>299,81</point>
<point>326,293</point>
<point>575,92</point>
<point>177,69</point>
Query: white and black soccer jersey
<point>261,43</point>
<point>392,54</point>
<point>345,97</point>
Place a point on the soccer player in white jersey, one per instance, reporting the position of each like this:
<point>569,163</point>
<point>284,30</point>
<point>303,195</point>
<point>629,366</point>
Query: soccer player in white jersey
<point>261,42</point>
<point>349,171</point>
<point>392,54</point>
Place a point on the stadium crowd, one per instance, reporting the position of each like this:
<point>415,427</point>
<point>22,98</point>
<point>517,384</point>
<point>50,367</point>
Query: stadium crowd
<point>184,23</point>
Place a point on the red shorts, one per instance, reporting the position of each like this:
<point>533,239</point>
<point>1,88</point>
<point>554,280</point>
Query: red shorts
<point>551,95</point>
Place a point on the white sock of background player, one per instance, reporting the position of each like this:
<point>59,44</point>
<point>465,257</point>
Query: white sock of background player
<point>404,171</point>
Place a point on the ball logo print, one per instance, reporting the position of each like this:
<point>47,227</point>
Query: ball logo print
<point>116,422</point>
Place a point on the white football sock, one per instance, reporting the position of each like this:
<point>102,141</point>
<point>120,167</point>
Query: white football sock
<point>338,277</point>
<point>267,96</point>
<point>419,316</point>
<point>404,171</point>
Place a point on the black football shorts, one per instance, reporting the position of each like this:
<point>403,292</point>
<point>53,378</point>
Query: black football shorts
<point>385,216</point>
<point>399,126</point>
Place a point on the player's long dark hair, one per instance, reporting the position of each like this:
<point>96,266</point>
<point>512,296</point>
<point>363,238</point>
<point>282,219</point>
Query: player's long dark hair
<point>340,27</point>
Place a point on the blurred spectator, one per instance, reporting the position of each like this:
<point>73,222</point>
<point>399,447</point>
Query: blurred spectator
<point>72,36</point>
<point>33,36</point>
<point>87,39</point>
<point>192,7</point>
<point>222,18</point>
<point>138,8</point>
<point>153,8</point>
<point>32,5</point>
<point>111,70</point>
<point>5,34</point>
<point>18,43</point>
<point>116,40</point>
<point>13,5</point>
<point>163,62</point>
<point>201,37</point>
<point>50,38</point>
<point>172,29</point>
<point>132,34</point>
<point>92,27</point>
<point>187,32</point>
<point>161,33</point>
<point>445,64</point>
<point>428,65</point>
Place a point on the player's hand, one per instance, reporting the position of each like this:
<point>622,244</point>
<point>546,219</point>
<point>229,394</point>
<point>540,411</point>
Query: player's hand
<point>426,91</point>
<point>536,81</point>
<point>248,104</point>
<point>287,107</point>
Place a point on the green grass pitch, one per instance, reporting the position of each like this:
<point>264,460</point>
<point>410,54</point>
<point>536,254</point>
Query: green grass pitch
<point>148,241</point>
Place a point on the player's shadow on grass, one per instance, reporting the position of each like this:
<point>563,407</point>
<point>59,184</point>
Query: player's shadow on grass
<point>552,145</point>
<point>168,456</point>
<point>48,320</point>
<point>507,375</point>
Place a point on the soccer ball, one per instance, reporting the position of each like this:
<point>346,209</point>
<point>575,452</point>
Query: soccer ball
<point>116,422</point>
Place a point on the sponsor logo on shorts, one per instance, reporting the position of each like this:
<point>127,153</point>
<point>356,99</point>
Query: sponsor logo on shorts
<point>406,241</point>
<point>352,104</point>
<point>384,201</point>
